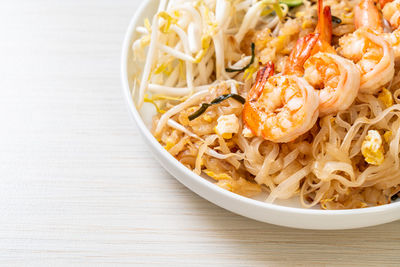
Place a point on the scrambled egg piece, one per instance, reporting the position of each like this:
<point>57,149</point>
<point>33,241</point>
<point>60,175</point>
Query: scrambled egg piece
<point>219,176</point>
<point>227,126</point>
<point>169,145</point>
<point>372,148</point>
<point>247,132</point>
<point>386,97</point>
<point>240,186</point>
<point>207,118</point>
<point>280,42</point>
<point>307,24</point>
<point>387,136</point>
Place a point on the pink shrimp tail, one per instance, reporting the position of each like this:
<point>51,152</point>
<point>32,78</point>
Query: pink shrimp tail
<point>250,115</point>
<point>324,26</point>
<point>301,52</point>
<point>312,43</point>
<point>367,15</point>
<point>262,76</point>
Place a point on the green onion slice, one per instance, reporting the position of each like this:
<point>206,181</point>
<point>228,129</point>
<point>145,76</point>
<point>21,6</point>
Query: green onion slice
<point>336,20</point>
<point>292,3</point>
<point>253,47</point>
<point>218,100</point>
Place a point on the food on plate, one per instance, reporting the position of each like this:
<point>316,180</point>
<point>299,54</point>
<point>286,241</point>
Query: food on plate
<point>293,98</point>
<point>280,108</point>
<point>368,48</point>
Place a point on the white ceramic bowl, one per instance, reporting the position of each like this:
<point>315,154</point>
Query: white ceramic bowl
<point>280,214</point>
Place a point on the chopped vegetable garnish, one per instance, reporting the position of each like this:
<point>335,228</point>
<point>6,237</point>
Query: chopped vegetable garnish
<point>253,47</point>
<point>336,20</point>
<point>218,100</point>
<point>292,3</point>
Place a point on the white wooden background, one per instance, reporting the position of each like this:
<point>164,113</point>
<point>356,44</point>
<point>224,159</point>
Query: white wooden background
<point>79,188</point>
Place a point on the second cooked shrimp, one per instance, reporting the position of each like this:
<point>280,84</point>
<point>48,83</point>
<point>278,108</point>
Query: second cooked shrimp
<point>335,78</point>
<point>391,12</point>
<point>371,52</point>
<point>393,38</point>
<point>280,108</point>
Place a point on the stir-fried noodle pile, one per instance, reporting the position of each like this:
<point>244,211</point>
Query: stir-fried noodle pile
<point>200,61</point>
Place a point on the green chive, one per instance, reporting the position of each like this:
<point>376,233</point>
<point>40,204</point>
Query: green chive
<point>336,20</point>
<point>217,100</point>
<point>253,47</point>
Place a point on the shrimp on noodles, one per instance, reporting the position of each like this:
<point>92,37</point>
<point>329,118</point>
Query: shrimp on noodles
<point>309,45</point>
<point>391,13</point>
<point>372,54</point>
<point>337,79</point>
<point>280,108</point>
<point>324,129</point>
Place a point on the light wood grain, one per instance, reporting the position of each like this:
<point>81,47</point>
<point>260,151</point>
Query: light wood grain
<point>78,186</point>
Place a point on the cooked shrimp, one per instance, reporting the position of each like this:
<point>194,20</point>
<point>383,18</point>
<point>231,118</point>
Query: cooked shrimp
<point>367,15</point>
<point>309,45</point>
<point>371,52</point>
<point>280,108</point>
<point>294,64</point>
<point>337,79</point>
<point>382,3</point>
<point>391,12</point>
<point>393,39</point>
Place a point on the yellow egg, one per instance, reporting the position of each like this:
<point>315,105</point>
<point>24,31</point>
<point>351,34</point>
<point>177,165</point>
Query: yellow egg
<point>387,135</point>
<point>169,145</point>
<point>372,148</point>
<point>386,97</point>
<point>207,118</point>
<point>219,176</point>
<point>227,126</point>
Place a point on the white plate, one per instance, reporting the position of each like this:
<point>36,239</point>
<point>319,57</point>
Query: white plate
<point>284,213</point>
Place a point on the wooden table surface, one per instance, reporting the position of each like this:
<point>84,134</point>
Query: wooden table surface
<point>78,186</point>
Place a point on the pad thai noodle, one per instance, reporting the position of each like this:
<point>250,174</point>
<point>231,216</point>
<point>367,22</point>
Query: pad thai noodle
<point>290,98</point>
